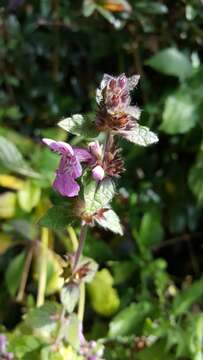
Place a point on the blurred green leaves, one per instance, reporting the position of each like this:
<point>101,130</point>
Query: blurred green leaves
<point>104,298</point>
<point>12,159</point>
<point>173,62</point>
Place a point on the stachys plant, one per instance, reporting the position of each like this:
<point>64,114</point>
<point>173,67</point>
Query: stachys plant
<point>86,179</point>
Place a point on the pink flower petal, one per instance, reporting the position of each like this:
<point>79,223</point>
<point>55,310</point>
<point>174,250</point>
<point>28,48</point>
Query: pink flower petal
<point>66,185</point>
<point>59,146</point>
<point>82,154</point>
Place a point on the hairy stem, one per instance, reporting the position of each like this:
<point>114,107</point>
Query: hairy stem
<point>78,247</point>
<point>82,237</point>
<point>25,274</point>
<point>43,267</point>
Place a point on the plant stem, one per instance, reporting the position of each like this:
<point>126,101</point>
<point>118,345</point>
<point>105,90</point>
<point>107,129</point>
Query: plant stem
<point>81,304</point>
<point>25,274</point>
<point>82,237</point>
<point>73,238</point>
<point>43,267</point>
<point>78,247</point>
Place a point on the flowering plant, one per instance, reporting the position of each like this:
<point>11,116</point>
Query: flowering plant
<point>88,176</point>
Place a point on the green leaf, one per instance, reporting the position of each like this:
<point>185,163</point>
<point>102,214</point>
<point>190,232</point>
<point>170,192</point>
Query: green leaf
<point>29,196</point>
<point>57,217</point>
<point>88,267</point>
<point>141,135</point>
<point>122,270</point>
<point>173,62</point>
<point>69,296</point>
<point>23,345</point>
<point>128,320</point>
<point>73,330</point>
<point>88,8</point>
<point>180,112</point>
<point>196,335</point>
<point>104,298</point>
<point>97,195</point>
<point>7,205</point>
<point>14,273</point>
<point>12,159</point>
<point>151,7</point>
<point>78,125</point>
<point>186,298</point>
<point>151,231</point>
<point>43,316</point>
<point>157,351</point>
<point>110,221</point>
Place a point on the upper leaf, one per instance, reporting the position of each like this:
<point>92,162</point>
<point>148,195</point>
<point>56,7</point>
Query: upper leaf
<point>110,221</point>
<point>97,195</point>
<point>78,125</point>
<point>140,135</point>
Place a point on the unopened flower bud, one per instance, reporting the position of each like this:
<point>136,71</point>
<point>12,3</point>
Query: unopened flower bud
<point>96,149</point>
<point>122,80</point>
<point>98,173</point>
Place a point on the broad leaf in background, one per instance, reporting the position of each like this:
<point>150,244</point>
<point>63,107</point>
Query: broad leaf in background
<point>14,273</point>
<point>130,319</point>
<point>104,298</point>
<point>43,316</point>
<point>196,336</point>
<point>157,351</point>
<point>151,231</point>
<point>151,7</point>
<point>186,298</point>
<point>180,112</point>
<point>7,205</point>
<point>23,345</point>
<point>171,61</point>
<point>11,182</point>
<point>12,159</point>
<point>140,135</point>
<point>110,221</point>
<point>29,196</point>
<point>57,217</point>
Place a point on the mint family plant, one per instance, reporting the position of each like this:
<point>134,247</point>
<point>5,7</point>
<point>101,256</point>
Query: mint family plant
<point>86,181</point>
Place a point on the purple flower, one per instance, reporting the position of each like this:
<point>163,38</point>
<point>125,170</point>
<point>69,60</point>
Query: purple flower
<point>69,167</point>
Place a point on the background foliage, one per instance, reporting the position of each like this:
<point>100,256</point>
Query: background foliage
<point>146,299</point>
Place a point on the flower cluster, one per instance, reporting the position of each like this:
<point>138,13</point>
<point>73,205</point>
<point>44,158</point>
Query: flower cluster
<point>116,116</point>
<point>113,98</point>
<point>90,350</point>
